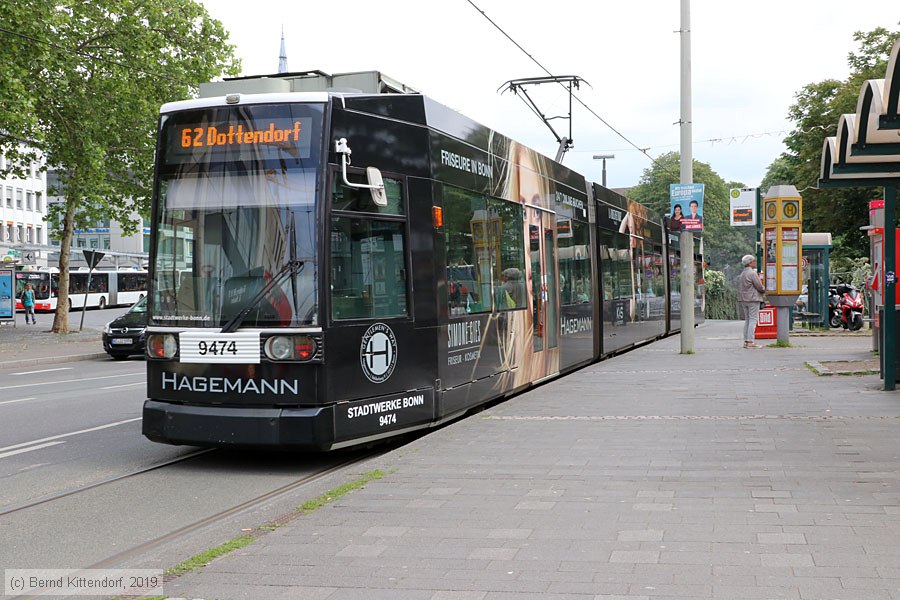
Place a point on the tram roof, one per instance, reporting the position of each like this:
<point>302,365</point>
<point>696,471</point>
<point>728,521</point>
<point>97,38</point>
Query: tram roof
<point>360,82</point>
<point>367,91</point>
<point>209,102</point>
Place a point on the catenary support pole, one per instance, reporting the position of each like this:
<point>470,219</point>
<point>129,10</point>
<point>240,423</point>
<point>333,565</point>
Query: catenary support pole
<point>686,242</point>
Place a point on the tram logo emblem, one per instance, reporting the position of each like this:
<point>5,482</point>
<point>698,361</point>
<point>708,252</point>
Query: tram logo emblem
<point>378,353</point>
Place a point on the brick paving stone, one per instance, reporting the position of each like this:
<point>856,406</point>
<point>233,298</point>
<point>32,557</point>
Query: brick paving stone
<point>752,479</point>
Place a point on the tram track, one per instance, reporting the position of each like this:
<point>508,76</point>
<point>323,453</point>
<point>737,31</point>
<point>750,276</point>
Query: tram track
<point>144,547</point>
<point>117,560</point>
<point>91,486</point>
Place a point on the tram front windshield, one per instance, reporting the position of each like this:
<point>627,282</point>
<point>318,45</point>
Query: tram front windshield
<point>235,217</point>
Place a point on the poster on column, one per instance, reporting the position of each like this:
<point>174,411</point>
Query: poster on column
<point>686,204</point>
<point>771,259</point>
<point>790,259</point>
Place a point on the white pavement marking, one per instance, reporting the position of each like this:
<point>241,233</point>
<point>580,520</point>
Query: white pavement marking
<point>62,435</point>
<point>112,387</point>
<point>44,371</point>
<point>10,387</point>
<point>19,400</point>
<point>29,449</point>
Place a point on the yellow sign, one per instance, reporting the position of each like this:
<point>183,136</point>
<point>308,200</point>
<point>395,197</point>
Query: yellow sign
<point>790,210</point>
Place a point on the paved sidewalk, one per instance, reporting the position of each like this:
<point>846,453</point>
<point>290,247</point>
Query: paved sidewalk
<point>726,474</point>
<point>25,345</point>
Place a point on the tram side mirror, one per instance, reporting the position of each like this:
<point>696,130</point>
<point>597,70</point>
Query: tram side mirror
<point>376,186</point>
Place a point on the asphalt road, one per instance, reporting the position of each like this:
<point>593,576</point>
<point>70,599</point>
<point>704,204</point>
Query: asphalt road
<point>66,427</point>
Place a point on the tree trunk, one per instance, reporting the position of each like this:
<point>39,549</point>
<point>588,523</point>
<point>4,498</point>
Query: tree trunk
<point>61,321</point>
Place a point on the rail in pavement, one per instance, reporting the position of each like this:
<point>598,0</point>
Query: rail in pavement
<point>729,473</point>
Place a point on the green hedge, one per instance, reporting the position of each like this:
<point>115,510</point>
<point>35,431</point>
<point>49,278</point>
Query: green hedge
<point>721,297</point>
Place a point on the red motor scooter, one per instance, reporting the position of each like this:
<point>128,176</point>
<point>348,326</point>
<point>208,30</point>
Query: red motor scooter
<point>851,307</point>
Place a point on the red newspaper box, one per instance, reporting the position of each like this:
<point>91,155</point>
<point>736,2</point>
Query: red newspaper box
<point>766,327</point>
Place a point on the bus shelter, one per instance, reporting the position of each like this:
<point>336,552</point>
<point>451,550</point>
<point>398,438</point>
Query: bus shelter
<point>816,251</point>
<point>865,153</point>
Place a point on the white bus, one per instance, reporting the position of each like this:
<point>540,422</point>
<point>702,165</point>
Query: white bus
<point>107,288</point>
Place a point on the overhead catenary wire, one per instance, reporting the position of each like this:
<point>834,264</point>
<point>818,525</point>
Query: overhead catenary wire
<point>633,146</point>
<point>731,139</point>
<point>643,151</point>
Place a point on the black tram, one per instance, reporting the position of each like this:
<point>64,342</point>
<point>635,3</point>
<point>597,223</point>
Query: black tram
<point>301,298</point>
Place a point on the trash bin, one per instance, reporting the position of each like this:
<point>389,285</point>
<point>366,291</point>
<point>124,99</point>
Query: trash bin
<point>880,343</point>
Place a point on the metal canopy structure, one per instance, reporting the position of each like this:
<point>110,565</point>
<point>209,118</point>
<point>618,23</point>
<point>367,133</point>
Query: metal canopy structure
<point>866,153</point>
<point>570,82</point>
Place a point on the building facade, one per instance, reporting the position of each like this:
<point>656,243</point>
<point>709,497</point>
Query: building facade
<point>25,225</point>
<point>120,250</point>
<point>23,211</point>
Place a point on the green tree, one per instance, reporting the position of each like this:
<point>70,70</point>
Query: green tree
<point>18,55</point>
<point>723,245</point>
<point>780,172</point>
<point>87,80</point>
<point>815,112</point>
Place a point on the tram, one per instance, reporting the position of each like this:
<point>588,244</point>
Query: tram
<point>301,299</point>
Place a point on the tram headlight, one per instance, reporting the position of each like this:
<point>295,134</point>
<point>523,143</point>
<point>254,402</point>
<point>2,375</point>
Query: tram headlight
<point>161,345</point>
<point>291,347</point>
<point>280,347</point>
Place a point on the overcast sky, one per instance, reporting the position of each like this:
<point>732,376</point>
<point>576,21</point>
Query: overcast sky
<point>748,60</point>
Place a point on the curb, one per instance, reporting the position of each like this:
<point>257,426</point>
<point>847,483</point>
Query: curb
<point>820,368</point>
<point>834,333</point>
<point>49,360</point>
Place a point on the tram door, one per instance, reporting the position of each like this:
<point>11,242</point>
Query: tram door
<point>544,274</point>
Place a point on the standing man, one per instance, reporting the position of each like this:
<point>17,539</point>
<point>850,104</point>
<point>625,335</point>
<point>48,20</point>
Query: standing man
<point>28,303</point>
<point>750,294</point>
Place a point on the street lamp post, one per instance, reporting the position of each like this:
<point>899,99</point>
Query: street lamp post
<point>603,157</point>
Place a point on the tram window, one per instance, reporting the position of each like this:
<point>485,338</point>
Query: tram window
<point>507,252</point>
<point>368,269</point>
<point>467,226</point>
<point>360,200</point>
<point>610,265</point>
<point>655,273</point>
<point>574,261</point>
<point>675,273</point>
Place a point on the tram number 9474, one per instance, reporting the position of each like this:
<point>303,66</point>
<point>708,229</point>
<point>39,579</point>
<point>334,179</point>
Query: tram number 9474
<point>216,348</point>
<point>390,419</point>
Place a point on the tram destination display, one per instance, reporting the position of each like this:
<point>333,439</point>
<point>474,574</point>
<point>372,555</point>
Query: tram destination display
<point>224,135</point>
